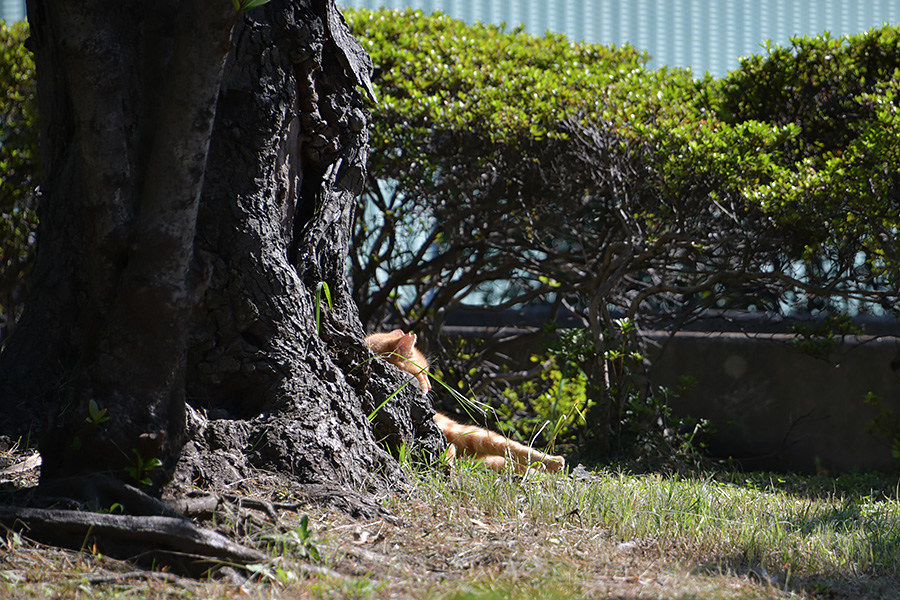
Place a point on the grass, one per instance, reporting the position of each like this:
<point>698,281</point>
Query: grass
<point>474,534</point>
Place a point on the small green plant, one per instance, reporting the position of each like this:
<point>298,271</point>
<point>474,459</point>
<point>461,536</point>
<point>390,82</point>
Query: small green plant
<point>320,288</point>
<point>641,422</point>
<point>403,456</point>
<point>558,396</point>
<point>298,540</point>
<point>96,415</point>
<point>242,6</point>
<point>141,467</point>
<point>624,359</point>
<point>114,507</point>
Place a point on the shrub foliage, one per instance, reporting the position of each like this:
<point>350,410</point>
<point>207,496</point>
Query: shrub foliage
<point>18,169</point>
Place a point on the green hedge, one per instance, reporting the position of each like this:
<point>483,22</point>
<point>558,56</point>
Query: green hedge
<point>18,168</point>
<point>804,137</point>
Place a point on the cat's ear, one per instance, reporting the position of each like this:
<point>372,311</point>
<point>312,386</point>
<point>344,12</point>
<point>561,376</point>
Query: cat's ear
<point>406,344</point>
<point>397,332</point>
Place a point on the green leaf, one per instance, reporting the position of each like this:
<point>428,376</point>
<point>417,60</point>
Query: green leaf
<point>242,6</point>
<point>96,414</point>
<point>322,286</point>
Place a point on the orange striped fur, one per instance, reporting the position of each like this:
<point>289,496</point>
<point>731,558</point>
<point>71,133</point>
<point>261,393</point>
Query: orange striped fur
<point>493,449</point>
<point>400,350</point>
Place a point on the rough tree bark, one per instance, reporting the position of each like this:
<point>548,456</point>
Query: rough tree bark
<point>200,170</point>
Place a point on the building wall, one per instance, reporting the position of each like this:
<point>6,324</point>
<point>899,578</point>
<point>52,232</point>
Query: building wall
<point>12,10</point>
<point>705,35</point>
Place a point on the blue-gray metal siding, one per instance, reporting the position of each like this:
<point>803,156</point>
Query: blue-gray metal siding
<point>706,35</point>
<point>12,10</point>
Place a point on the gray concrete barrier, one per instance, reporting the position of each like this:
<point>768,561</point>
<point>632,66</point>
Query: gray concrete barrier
<point>773,406</point>
<point>770,404</point>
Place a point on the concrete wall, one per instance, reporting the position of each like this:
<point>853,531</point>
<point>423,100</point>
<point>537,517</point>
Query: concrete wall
<point>771,405</point>
<point>775,407</point>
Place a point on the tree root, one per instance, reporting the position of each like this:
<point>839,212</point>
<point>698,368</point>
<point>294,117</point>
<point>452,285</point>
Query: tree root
<point>80,512</point>
<point>177,541</point>
<point>76,512</point>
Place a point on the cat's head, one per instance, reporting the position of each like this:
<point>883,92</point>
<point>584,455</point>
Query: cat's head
<point>405,343</point>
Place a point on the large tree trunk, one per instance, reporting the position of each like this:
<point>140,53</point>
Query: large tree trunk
<point>177,265</point>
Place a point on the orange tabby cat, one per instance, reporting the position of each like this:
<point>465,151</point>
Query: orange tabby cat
<point>400,350</point>
<point>493,449</point>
